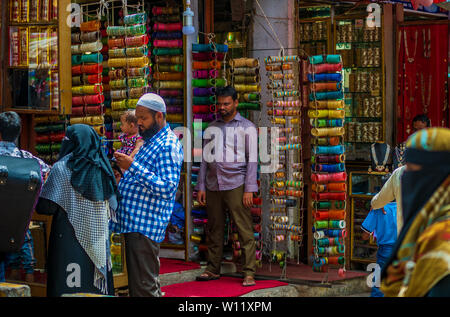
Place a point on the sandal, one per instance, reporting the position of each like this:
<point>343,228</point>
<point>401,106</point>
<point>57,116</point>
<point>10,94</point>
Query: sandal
<point>207,276</point>
<point>249,281</point>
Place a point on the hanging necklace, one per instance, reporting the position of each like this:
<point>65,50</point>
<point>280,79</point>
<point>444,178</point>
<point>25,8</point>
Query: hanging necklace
<point>411,91</point>
<point>410,59</point>
<point>426,44</point>
<point>427,104</point>
<point>399,151</point>
<point>383,166</point>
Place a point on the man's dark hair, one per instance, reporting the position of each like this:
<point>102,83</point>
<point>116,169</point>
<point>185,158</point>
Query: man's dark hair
<point>227,91</point>
<point>10,126</point>
<point>422,118</point>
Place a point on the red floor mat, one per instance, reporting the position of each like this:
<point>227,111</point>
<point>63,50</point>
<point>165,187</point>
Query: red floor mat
<point>173,265</point>
<point>223,287</point>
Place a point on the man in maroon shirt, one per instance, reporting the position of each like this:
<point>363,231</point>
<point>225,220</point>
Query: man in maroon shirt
<point>229,181</point>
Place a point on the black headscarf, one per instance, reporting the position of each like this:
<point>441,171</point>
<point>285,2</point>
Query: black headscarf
<point>418,186</point>
<point>92,175</point>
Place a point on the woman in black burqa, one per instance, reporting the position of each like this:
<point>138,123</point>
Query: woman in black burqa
<point>80,193</point>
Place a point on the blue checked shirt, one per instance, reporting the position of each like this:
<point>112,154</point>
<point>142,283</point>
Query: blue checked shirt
<point>149,186</point>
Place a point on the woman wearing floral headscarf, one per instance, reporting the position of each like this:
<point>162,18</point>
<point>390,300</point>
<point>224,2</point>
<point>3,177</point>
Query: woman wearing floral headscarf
<point>80,193</point>
<point>420,262</point>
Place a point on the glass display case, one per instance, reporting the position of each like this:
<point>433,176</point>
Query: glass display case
<point>362,186</point>
<point>361,48</point>
<point>35,60</point>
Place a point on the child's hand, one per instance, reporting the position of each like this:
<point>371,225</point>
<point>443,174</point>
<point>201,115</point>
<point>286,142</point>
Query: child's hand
<point>384,211</point>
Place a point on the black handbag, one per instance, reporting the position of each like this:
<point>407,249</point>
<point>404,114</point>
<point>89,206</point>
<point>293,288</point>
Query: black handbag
<point>20,185</point>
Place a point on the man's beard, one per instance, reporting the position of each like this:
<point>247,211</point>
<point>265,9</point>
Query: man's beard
<point>150,132</point>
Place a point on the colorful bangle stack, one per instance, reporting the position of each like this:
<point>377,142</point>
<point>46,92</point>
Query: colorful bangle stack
<point>244,75</point>
<point>328,177</point>
<point>168,60</point>
<point>87,74</point>
<point>207,60</point>
<point>128,67</point>
<point>50,132</point>
<point>286,185</point>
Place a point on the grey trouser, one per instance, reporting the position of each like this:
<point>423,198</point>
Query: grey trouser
<point>142,265</point>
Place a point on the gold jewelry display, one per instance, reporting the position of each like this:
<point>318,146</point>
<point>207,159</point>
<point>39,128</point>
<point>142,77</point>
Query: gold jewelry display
<point>399,153</point>
<point>426,44</point>
<point>410,59</point>
<point>427,103</point>
<point>378,167</point>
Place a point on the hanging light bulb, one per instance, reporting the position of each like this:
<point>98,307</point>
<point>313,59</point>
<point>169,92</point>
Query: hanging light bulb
<point>188,19</point>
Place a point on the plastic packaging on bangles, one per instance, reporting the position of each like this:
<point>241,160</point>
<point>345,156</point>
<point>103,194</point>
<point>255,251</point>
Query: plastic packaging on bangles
<point>165,10</point>
<point>327,104</point>
<point>128,62</point>
<point>90,26</point>
<point>116,43</point>
<point>168,43</point>
<point>327,168</point>
<point>205,117</point>
<point>136,51</point>
<point>252,97</point>
<point>322,123</point>
<point>174,101</point>
<point>208,56</point>
<point>169,59</point>
<point>136,18</point>
<point>136,72</point>
<point>287,103</point>
<point>331,214</point>
<point>90,36</point>
<point>330,187</point>
<point>92,89</point>
<point>119,94</point>
<point>139,40</point>
<point>170,92</point>
<point>174,109</point>
<point>168,27</point>
<point>116,53</point>
<point>326,95</point>
<point>325,141</point>
<point>331,224</point>
<point>276,68</point>
<point>169,85</point>
<point>94,120</point>
<point>242,79</point>
<point>337,77</point>
<point>328,196</point>
<point>207,65</point>
<point>337,149</point>
<point>244,71</point>
<point>212,47</point>
<point>279,59</point>
<point>169,68</point>
<point>201,109</point>
<point>328,159</point>
<point>87,69</point>
<point>167,35</point>
<point>325,68</point>
<point>325,59</point>
<point>198,92</point>
<point>244,62</point>
<point>321,132</point>
<point>329,178</point>
<point>248,88</point>
<point>176,117</point>
<point>326,86</point>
